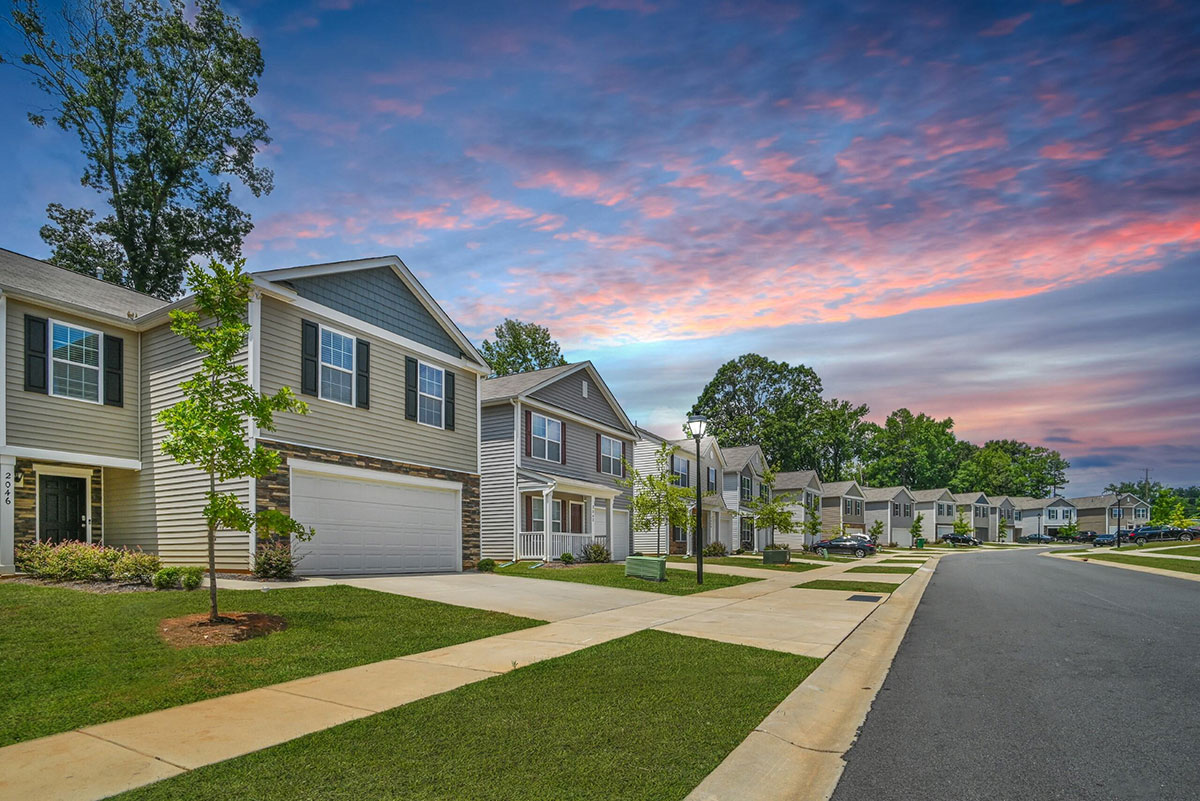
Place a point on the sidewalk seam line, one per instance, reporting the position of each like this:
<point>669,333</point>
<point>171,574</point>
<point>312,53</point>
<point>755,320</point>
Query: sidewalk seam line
<point>133,750</point>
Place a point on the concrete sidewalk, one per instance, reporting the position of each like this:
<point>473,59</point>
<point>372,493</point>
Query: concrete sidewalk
<point>98,761</point>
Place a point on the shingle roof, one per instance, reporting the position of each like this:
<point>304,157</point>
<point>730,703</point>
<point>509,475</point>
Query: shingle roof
<point>23,275</point>
<point>510,386</point>
<point>836,488</point>
<point>924,496</point>
<point>967,497</point>
<point>797,479</point>
<point>736,458</point>
<point>1036,503</point>
<point>1092,501</point>
<point>881,493</point>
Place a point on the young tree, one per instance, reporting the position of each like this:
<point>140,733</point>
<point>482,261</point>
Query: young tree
<point>159,94</point>
<point>521,347</point>
<point>1069,532</point>
<point>812,522</point>
<point>772,512</point>
<point>875,531</point>
<point>657,502</point>
<point>1168,510</point>
<point>962,526</point>
<point>754,400</point>
<point>917,527</point>
<point>208,428</point>
<point>1002,529</point>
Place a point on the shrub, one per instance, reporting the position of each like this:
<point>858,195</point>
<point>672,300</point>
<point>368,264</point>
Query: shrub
<point>486,566</point>
<point>567,558</point>
<point>176,577</point>
<point>638,553</point>
<point>275,560</point>
<point>594,552</point>
<point>79,561</point>
<point>167,578</point>
<point>191,577</point>
<point>714,549</point>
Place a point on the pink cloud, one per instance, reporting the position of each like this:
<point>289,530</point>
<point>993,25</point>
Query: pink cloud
<point>398,108</point>
<point>989,179</point>
<point>1067,151</point>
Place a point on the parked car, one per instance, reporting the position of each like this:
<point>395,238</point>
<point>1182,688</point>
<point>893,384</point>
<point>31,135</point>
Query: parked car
<point>1104,539</point>
<point>1143,534</point>
<point>848,545</point>
<point>1086,536</point>
<point>960,539</point>
<point>1044,538</point>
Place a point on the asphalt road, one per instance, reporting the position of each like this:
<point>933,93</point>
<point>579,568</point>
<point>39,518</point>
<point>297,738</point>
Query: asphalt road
<point>1023,677</point>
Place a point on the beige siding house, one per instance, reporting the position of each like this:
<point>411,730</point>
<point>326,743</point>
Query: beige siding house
<point>894,508</point>
<point>843,509</point>
<point>744,467</point>
<point>802,490</point>
<point>975,508</point>
<point>385,465</point>
<point>1108,514</point>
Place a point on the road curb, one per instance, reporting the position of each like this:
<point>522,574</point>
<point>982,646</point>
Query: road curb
<point>796,752</point>
<point>1158,571</point>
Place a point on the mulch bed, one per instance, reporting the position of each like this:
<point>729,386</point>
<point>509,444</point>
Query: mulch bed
<point>190,630</point>
<point>98,587</point>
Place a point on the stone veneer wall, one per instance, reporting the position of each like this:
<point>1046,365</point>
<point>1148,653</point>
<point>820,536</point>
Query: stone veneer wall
<point>274,491</point>
<point>25,503</point>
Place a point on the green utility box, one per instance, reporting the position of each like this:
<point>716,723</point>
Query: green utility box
<point>920,543</point>
<point>777,556</point>
<point>651,568</point>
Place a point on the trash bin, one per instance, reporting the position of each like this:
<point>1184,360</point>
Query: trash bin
<point>920,543</point>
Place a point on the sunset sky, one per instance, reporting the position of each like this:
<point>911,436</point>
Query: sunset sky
<point>984,210</point>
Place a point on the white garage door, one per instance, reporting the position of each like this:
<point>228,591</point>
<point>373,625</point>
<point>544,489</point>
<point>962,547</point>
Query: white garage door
<point>620,537</point>
<point>366,526</point>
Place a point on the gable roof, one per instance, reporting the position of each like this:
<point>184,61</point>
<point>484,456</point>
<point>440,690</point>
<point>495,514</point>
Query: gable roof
<point>839,488</point>
<point>972,498</point>
<point>708,447</point>
<point>999,500</point>
<point>796,479</point>
<point>737,458</point>
<point>36,280</point>
<point>1092,501</point>
<point>875,494</point>
<point>925,496</point>
<point>280,277</point>
<point>521,385</point>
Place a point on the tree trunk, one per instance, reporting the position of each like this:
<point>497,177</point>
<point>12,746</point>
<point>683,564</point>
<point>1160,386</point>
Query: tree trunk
<point>212,558</point>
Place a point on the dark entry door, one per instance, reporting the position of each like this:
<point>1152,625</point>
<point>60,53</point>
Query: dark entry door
<point>63,509</point>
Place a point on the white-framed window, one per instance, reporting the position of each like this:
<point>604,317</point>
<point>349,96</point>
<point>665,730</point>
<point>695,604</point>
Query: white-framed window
<point>1051,514</point>
<point>679,471</point>
<point>895,510</point>
<point>679,533</point>
<point>1017,514</point>
<point>556,516</point>
<point>1066,514</point>
<point>431,395</point>
<point>747,529</point>
<point>1140,512</point>
<point>75,362</point>
<point>1116,512</point>
<point>584,390</point>
<point>712,479</point>
<point>848,507</point>
<point>538,522</point>
<point>337,366</point>
<point>610,455</point>
<point>908,510</point>
<point>747,488</point>
<point>546,437</point>
<point>858,507</point>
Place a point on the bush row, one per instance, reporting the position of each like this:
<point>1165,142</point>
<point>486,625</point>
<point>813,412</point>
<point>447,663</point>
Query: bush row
<point>79,561</point>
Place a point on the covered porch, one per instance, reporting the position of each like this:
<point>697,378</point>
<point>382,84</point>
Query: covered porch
<point>561,515</point>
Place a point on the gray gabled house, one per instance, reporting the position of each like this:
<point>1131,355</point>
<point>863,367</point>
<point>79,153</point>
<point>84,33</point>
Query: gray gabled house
<point>553,447</point>
<point>744,468</point>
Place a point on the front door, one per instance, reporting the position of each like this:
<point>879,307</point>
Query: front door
<point>576,518</point>
<point>62,509</point>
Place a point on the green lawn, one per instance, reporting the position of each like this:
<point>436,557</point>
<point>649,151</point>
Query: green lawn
<point>806,555</point>
<point>901,560</point>
<point>70,658</point>
<point>795,567</point>
<point>679,582</point>
<point>1178,565</point>
<point>847,586</point>
<point>881,569</point>
<point>644,718</point>
<point>1180,550</point>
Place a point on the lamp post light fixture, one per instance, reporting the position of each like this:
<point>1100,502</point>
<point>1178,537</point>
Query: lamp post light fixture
<point>697,425</point>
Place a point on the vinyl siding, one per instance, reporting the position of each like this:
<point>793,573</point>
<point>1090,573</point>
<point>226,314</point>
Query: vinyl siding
<point>159,507</point>
<point>37,420</point>
<point>648,542</point>
<point>381,298</point>
<point>498,483</point>
<point>581,457</point>
<point>567,393</point>
<point>379,431</point>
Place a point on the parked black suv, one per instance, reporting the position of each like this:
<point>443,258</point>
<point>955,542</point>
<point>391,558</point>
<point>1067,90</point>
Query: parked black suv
<point>848,545</point>
<point>960,539</point>
<point>1144,534</point>
<point>1044,538</point>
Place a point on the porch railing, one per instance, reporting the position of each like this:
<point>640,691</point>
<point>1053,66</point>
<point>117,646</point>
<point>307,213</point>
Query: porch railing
<point>531,544</point>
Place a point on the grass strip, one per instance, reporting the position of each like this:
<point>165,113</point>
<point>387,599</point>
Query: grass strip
<point>847,586</point>
<point>881,569</point>
<point>642,718</point>
<point>733,561</point>
<point>1176,565</point>
<point>679,582</point>
<point>70,658</point>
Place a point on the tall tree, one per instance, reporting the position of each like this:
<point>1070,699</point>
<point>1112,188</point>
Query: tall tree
<point>840,438</point>
<point>912,450</point>
<point>208,428</point>
<point>989,470</point>
<point>753,400</point>
<point>159,94</point>
<point>521,347</point>
<point>1010,467</point>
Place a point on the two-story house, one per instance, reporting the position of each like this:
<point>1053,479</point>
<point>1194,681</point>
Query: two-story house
<point>742,483</point>
<point>1041,516</point>
<point>843,509</point>
<point>975,508</point>
<point>385,464</point>
<point>718,519</point>
<point>1111,513</point>
<point>554,447</point>
<point>1005,512</point>
<point>937,510</point>
<point>802,490</point>
<point>892,506</point>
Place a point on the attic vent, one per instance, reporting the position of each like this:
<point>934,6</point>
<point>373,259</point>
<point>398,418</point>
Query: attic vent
<point>584,384</point>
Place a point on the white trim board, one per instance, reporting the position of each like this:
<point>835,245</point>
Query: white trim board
<point>367,474</point>
<point>73,458</point>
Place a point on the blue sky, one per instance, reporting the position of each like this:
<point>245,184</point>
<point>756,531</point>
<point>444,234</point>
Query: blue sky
<point>982,210</point>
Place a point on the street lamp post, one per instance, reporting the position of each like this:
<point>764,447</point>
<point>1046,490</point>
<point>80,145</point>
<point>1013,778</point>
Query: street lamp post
<point>697,424</point>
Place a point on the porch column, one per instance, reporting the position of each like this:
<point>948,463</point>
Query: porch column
<point>588,528</point>
<point>547,518</point>
<point>8,469</point>
<point>608,516</point>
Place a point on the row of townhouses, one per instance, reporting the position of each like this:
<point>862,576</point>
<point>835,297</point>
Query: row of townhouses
<point>410,459</point>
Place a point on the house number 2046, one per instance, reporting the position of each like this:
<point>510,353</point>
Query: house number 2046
<point>8,482</point>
